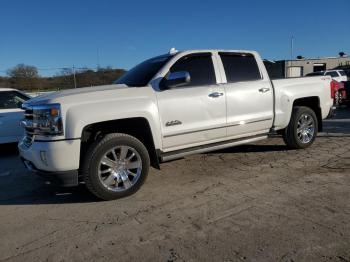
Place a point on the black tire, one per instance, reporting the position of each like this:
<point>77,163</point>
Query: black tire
<point>91,165</point>
<point>290,135</point>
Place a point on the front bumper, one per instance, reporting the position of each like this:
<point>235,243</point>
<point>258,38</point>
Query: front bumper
<point>62,178</point>
<point>57,161</point>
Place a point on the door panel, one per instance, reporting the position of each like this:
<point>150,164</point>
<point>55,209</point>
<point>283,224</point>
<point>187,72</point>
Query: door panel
<point>10,120</point>
<point>197,115</point>
<point>249,94</point>
<point>249,107</point>
<point>11,115</point>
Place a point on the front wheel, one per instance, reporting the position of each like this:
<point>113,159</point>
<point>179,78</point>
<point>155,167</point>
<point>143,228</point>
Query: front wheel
<point>115,166</point>
<point>302,129</point>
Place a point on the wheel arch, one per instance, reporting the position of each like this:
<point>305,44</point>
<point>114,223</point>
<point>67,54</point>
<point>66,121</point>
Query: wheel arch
<point>137,127</point>
<point>312,102</point>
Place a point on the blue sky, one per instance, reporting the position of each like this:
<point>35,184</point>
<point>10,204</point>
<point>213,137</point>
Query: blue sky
<point>50,34</point>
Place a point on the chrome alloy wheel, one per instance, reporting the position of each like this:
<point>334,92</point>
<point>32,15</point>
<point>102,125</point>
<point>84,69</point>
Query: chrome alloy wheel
<point>120,168</point>
<point>305,128</point>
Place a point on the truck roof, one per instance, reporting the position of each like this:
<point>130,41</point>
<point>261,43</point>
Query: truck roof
<point>216,50</point>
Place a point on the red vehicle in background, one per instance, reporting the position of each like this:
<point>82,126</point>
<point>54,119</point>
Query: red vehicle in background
<point>338,92</point>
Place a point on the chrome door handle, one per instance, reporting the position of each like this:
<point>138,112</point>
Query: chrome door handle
<point>264,90</point>
<point>215,94</point>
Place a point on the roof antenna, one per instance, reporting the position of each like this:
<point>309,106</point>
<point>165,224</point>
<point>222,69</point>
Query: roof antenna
<point>173,51</point>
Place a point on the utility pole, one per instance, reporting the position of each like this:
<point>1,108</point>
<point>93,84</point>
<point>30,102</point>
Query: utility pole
<point>291,55</point>
<point>75,80</point>
<point>291,48</point>
<point>98,58</point>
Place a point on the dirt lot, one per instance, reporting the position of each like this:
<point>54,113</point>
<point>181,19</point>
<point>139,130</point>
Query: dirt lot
<point>258,202</point>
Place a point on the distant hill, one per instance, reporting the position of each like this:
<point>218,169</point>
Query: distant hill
<point>64,80</point>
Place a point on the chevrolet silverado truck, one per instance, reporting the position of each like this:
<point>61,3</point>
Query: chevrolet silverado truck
<point>165,108</point>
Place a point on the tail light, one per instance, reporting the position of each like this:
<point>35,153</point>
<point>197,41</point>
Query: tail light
<point>335,86</point>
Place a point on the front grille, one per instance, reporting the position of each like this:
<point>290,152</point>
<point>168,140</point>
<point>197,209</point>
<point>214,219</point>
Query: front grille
<point>28,113</point>
<point>28,126</point>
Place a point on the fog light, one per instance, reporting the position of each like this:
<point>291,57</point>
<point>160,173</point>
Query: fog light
<point>43,157</point>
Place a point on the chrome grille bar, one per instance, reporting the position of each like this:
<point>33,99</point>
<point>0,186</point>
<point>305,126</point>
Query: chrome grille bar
<point>27,123</point>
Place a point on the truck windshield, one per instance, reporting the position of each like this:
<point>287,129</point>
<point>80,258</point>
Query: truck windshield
<point>142,74</point>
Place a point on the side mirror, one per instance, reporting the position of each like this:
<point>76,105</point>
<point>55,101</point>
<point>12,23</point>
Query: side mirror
<point>177,79</point>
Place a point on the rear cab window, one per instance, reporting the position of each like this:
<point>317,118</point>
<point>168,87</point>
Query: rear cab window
<point>240,67</point>
<point>342,73</point>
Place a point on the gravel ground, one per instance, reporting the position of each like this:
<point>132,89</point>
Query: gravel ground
<point>259,202</point>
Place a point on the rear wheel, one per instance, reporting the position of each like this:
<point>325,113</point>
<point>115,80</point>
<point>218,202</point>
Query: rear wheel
<point>302,129</point>
<point>115,166</point>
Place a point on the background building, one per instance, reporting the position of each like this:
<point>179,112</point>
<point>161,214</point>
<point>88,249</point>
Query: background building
<point>301,67</point>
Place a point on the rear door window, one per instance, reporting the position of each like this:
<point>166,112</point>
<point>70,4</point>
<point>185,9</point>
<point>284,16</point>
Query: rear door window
<point>240,67</point>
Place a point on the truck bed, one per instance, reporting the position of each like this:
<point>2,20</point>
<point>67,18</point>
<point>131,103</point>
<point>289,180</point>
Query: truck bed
<point>285,93</point>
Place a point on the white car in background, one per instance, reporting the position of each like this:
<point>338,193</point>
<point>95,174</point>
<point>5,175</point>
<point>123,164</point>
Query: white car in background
<point>11,115</point>
<point>337,75</point>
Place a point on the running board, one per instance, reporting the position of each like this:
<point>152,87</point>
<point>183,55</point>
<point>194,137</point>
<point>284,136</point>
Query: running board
<point>168,156</point>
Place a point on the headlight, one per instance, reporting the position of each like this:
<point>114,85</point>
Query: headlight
<point>45,120</point>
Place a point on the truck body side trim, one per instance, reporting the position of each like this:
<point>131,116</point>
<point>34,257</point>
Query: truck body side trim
<point>211,147</point>
<point>225,126</point>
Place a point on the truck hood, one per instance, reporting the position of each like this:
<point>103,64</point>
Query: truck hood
<point>83,95</point>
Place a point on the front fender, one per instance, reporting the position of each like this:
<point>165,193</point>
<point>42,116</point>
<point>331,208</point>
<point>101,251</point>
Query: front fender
<point>82,115</point>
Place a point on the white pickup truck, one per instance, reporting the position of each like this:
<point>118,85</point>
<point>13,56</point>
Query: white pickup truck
<point>165,108</point>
